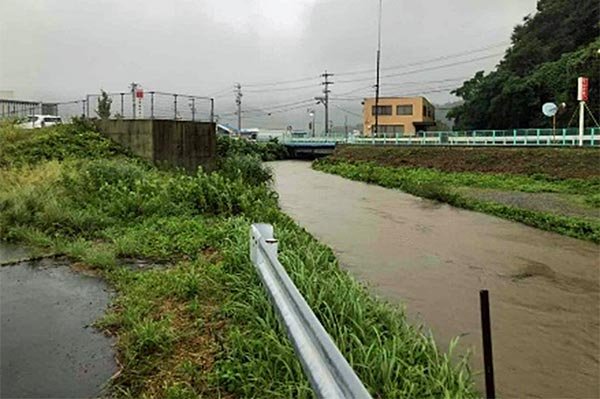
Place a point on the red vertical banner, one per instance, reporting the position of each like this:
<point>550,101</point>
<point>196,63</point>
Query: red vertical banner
<point>582,88</point>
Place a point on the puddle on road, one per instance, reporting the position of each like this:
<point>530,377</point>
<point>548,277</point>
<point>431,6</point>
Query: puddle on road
<point>48,347</point>
<point>544,288</point>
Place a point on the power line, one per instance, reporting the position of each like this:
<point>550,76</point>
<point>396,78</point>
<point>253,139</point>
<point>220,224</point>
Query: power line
<point>282,89</point>
<point>273,108</point>
<point>424,69</point>
<point>428,61</point>
<point>348,111</point>
<point>281,82</point>
<point>358,72</point>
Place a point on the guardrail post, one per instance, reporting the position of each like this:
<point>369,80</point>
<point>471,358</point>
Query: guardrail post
<point>592,136</point>
<point>538,136</point>
<point>564,136</point>
<point>514,136</point>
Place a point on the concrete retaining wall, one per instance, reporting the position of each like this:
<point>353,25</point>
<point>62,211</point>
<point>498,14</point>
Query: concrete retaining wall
<point>183,144</point>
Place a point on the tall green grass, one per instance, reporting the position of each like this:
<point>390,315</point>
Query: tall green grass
<point>199,323</point>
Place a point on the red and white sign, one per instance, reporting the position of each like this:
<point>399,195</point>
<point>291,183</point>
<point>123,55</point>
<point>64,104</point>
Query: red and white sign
<point>139,92</point>
<point>582,88</point>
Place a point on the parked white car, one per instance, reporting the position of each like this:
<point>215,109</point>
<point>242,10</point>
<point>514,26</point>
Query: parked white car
<point>38,121</point>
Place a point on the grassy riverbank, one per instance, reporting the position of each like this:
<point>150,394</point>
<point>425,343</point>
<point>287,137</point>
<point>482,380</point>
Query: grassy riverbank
<point>197,321</point>
<point>484,192</point>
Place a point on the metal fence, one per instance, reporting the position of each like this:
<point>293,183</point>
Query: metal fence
<point>153,105</point>
<point>512,137</point>
<point>329,373</point>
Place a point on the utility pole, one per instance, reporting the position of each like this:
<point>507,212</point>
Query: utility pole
<point>378,63</point>
<point>238,101</point>
<point>326,82</point>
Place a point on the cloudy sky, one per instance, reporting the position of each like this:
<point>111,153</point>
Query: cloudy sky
<point>56,50</point>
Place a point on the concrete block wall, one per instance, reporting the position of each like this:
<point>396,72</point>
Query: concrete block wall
<point>184,144</point>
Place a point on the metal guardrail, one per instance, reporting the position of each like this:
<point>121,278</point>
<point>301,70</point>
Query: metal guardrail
<point>329,373</point>
<point>512,137</point>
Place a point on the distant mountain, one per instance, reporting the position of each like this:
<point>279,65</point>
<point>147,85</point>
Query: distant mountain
<point>441,112</point>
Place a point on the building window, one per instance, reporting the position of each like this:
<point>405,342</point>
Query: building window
<point>404,109</point>
<point>428,112</point>
<point>388,130</point>
<point>383,110</point>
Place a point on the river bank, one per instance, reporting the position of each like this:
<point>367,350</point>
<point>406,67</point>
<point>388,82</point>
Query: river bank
<point>201,324</point>
<point>434,258</point>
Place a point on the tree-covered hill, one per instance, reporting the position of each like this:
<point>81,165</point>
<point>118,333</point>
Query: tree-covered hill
<point>549,51</point>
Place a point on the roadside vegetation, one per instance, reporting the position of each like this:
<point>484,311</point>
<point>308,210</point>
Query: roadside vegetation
<point>195,321</point>
<point>454,188</point>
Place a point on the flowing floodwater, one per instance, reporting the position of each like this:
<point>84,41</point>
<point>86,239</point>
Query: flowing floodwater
<point>544,287</point>
<point>48,346</point>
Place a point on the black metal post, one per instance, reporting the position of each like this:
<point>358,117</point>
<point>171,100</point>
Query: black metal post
<point>486,332</point>
<point>175,106</point>
<point>193,109</point>
<point>122,113</point>
<point>212,110</point>
<point>151,105</point>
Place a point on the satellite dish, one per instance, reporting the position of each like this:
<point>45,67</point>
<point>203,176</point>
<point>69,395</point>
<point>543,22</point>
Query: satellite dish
<point>549,109</point>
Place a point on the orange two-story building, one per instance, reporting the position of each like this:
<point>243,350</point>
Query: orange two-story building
<point>403,116</point>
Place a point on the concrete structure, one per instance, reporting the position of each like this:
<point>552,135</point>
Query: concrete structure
<point>402,116</point>
<point>183,144</point>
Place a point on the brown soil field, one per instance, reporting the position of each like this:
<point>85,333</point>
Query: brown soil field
<point>561,163</point>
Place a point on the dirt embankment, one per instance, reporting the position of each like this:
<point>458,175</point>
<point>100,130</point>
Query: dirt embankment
<point>556,162</point>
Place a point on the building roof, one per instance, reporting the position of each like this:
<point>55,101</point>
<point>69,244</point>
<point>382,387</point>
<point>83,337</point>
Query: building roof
<point>396,97</point>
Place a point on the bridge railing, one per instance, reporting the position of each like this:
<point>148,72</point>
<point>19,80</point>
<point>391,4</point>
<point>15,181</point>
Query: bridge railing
<point>512,137</point>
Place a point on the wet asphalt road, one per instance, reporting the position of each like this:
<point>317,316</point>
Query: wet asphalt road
<point>48,347</point>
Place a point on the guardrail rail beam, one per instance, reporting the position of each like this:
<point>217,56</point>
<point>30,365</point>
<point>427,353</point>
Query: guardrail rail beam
<point>329,373</point>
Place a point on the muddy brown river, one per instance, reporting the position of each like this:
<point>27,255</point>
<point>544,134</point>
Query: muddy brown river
<point>434,259</point>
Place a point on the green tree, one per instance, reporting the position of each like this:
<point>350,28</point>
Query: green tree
<point>549,51</point>
<point>104,103</point>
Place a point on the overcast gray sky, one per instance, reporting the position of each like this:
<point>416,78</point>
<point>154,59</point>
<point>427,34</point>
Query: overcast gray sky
<point>62,49</point>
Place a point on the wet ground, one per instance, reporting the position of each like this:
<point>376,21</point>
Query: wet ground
<point>544,287</point>
<point>48,347</point>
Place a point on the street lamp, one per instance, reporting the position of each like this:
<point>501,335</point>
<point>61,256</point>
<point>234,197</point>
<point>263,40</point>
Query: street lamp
<point>312,124</point>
